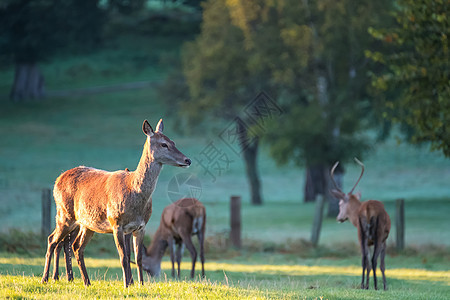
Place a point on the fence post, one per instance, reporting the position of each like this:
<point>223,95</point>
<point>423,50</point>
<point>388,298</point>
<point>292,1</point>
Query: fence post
<point>317,222</point>
<point>235,221</point>
<point>46,212</point>
<point>400,223</point>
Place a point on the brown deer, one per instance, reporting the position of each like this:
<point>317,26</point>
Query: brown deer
<point>179,221</point>
<point>68,242</point>
<point>373,224</point>
<point>89,200</point>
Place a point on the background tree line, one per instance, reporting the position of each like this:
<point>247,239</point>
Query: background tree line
<point>336,68</point>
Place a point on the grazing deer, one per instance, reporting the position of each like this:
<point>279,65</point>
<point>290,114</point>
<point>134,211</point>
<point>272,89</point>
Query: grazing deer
<point>179,221</point>
<point>89,200</point>
<point>373,224</point>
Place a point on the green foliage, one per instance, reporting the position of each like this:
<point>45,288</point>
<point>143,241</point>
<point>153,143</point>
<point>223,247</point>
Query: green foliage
<point>214,65</point>
<point>327,108</point>
<point>31,31</point>
<point>286,48</point>
<point>125,6</point>
<point>414,84</point>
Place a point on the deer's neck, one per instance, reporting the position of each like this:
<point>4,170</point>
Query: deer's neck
<point>147,172</point>
<point>158,246</point>
<point>353,211</point>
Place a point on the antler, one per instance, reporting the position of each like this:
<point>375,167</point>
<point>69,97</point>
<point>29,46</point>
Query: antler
<point>332,177</point>
<point>362,172</point>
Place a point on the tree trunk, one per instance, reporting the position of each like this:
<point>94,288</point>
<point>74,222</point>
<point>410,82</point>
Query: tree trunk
<point>314,183</point>
<point>250,157</point>
<point>249,148</point>
<point>318,182</point>
<point>309,192</point>
<point>28,82</point>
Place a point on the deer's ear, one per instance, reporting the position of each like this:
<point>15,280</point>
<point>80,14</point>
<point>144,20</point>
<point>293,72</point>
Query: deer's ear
<point>338,194</point>
<point>147,128</point>
<point>160,126</point>
<point>358,195</point>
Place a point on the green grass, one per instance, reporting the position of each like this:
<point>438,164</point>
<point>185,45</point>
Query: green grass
<point>121,59</point>
<point>261,276</point>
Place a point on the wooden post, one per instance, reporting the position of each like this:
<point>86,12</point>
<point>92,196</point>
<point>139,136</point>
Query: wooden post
<point>46,212</point>
<point>317,222</point>
<point>235,221</point>
<point>400,223</point>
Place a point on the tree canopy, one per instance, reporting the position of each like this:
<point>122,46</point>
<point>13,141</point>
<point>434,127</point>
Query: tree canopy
<point>31,31</point>
<point>308,55</point>
<point>414,84</point>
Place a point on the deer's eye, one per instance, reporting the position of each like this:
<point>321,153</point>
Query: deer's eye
<point>164,145</point>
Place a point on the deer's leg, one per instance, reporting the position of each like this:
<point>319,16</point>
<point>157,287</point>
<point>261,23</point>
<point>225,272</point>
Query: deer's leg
<point>376,252</point>
<point>368,267</point>
<point>79,245</point>
<point>54,239</point>
<point>363,237</point>
<point>119,239</point>
<point>56,260</point>
<point>68,242</point>
<point>179,255</point>
<point>138,237</point>
<point>201,238</point>
<point>128,252</point>
<point>382,267</point>
<point>190,246</point>
<point>172,247</point>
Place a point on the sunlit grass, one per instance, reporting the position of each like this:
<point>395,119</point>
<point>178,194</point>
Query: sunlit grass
<point>289,270</point>
<point>30,287</point>
<point>20,278</point>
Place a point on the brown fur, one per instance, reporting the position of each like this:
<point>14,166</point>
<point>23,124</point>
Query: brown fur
<point>373,225</point>
<point>89,200</point>
<point>179,221</point>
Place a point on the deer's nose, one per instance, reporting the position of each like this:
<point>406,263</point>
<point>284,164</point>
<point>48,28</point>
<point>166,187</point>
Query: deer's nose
<point>187,161</point>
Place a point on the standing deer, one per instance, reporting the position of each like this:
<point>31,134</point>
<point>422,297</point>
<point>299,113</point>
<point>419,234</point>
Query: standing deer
<point>373,224</point>
<point>89,200</point>
<point>68,242</point>
<point>179,221</point>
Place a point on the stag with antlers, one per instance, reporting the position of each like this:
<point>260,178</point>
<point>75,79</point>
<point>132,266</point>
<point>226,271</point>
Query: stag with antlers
<point>373,224</point>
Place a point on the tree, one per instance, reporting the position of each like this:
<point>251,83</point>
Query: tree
<point>32,31</point>
<point>328,109</point>
<point>308,55</point>
<point>414,84</point>
<point>220,83</point>
<point>312,55</point>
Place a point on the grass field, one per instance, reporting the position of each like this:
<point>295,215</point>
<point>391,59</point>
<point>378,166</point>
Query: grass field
<point>39,140</point>
<point>257,276</point>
